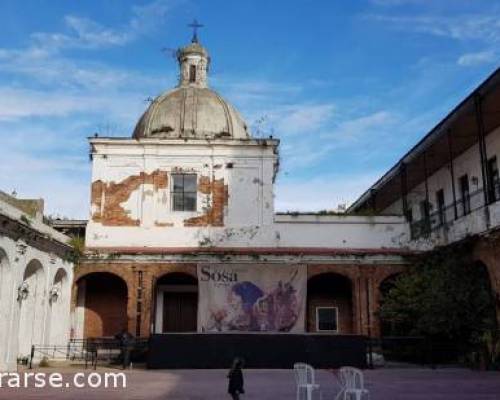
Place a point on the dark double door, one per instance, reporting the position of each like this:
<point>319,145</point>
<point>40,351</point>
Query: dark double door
<point>180,311</point>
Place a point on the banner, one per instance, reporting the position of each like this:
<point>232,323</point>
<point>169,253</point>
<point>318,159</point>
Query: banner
<point>251,297</point>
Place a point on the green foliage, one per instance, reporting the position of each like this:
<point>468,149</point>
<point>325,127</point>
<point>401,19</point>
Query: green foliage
<point>446,295</point>
<point>78,244</point>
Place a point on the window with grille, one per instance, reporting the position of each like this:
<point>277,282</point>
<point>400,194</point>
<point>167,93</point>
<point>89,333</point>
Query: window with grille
<point>184,192</point>
<point>326,319</point>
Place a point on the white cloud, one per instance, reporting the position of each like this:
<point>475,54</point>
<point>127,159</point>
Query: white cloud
<point>50,102</point>
<point>149,17</point>
<point>304,119</point>
<point>481,27</point>
<point>358,127</point>
<point>322,193</point>
<point>478,58</point>
<point>63,195</point>
<point>62,180</point>
<point>84,33</point>
<point>56,71</point>
<point>300,151</point>
<point>43,58</point>
<point>254,93</point>
<point>16,104</point>
<point>20,103</point>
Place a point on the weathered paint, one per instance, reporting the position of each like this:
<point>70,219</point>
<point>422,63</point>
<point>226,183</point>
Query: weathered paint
<point>34,319</point>
<point>108,198</point>
<point>235,200</point>
<point>217,193</point>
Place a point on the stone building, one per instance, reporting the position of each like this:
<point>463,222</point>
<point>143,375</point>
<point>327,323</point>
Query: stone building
<point>35,281</point>
<point>187,200</point>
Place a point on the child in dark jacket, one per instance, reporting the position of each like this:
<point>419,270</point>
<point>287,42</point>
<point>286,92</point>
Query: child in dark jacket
<point>236,379</point>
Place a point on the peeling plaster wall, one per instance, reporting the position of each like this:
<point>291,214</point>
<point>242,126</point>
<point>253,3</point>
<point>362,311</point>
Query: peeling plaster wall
<point>131,191</point>
<point>131,200</point>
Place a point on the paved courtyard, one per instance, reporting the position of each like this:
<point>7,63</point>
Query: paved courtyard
<point>389,384</point>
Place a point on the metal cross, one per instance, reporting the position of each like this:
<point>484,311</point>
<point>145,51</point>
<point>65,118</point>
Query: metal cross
<point>195,25</point>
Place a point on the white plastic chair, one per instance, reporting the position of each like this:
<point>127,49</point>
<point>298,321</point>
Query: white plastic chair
<point>352,384</point>
<point>304,377</point>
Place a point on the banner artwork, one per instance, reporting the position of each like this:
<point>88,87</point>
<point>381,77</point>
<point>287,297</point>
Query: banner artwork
<point>245,298</point>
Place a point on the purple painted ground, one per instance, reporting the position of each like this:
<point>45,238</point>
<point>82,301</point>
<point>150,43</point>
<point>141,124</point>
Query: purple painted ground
<point>387,384</point>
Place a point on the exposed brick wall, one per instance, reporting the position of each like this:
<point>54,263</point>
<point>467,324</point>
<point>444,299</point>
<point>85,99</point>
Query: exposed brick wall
<point>110,212</point>
<point>129,273</point>
<point>365,288</point>
<point>214,214</point>
<point>343,304</point>
<point>105,305</point>
<point>365,281</point>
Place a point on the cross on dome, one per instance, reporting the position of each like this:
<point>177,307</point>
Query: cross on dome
<point>193,61</point>
<point>195,25</point>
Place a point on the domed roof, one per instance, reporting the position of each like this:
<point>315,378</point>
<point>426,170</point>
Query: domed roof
<point>192,110</point>
<point>192,48</point>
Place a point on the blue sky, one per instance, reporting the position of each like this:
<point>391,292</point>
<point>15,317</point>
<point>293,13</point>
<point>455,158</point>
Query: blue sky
<point>348,86</point>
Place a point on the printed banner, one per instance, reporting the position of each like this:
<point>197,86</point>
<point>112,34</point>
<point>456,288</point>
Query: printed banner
<point>245,298</point>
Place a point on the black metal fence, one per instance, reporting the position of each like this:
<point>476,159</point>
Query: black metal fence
<point>91,351</point>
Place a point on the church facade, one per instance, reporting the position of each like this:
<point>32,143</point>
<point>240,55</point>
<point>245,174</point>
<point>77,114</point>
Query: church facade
<point>183,236</point>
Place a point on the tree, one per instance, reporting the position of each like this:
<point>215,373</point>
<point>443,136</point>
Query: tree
<point>443,295</point>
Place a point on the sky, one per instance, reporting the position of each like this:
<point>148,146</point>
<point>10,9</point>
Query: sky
<point>347,86</point>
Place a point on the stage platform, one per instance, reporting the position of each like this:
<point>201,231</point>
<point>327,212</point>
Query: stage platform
<point>260,350</point>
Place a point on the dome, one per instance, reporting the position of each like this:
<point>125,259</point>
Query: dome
<point>192,110</point>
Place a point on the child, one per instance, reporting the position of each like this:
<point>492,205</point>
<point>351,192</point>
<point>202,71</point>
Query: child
<point>236,379</point>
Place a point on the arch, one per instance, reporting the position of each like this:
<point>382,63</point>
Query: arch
<point>101,308</point>
<point>388,283</point>
<point>176,303</point>
<point>486,275</point>
<point>345,271</point>
<point>330,303</point>
<point>387,328</point>
<point>59,302</point>
<point>32,307</point>
<point>5,305</point>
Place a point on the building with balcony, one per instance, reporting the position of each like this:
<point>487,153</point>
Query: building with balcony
<point>447,187</point>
